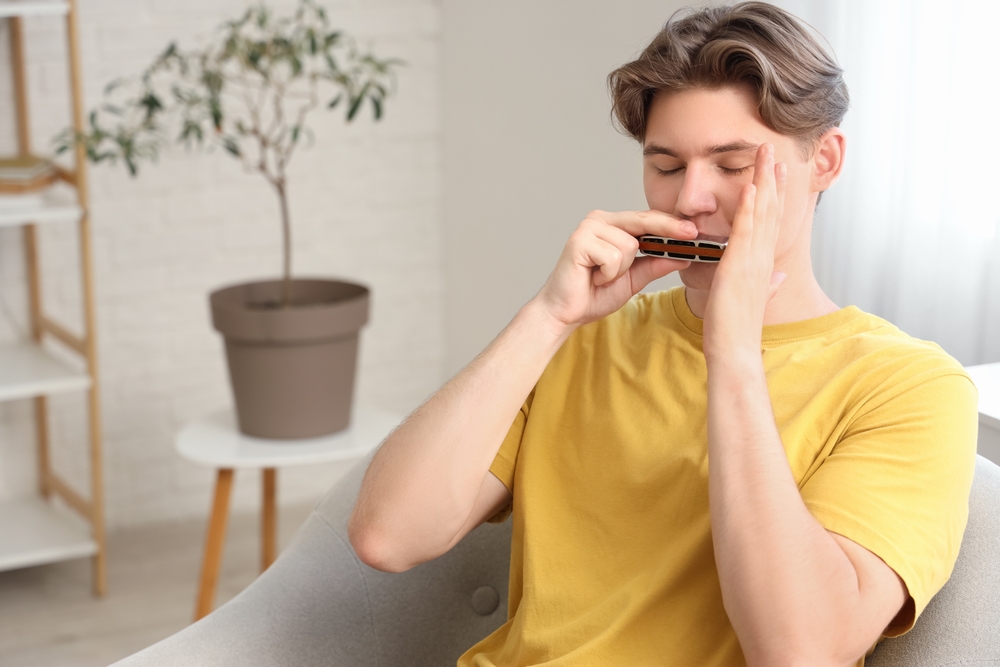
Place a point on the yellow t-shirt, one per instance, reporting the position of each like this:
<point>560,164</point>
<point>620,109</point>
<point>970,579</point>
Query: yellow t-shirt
<point>611,555</point>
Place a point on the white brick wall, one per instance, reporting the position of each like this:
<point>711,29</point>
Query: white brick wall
<point>195,222</point>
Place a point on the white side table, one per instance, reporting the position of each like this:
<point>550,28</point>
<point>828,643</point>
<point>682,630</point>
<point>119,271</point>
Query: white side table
<point>215,441</point>
<point>987,379</point>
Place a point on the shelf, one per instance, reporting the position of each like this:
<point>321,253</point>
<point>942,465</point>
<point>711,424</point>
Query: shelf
<point>53,206</point>
<point>27,370</point>
<point>36,532</point>
<point>33,532</point>
<point>10,8</point>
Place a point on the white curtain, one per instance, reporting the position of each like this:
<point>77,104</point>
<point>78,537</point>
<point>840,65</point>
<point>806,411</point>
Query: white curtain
<point>910,232</point>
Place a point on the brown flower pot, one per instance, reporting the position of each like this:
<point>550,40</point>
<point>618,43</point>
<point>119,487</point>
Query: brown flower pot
<point>291,368</point>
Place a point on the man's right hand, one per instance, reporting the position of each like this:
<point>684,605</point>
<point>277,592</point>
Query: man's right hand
<point>598,271</point>
<point>429,483</point>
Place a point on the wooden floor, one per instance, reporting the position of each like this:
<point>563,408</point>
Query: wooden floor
<point>49,617</point>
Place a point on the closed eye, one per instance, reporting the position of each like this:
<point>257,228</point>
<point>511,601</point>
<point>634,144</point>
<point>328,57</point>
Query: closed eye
<point>725,170</point>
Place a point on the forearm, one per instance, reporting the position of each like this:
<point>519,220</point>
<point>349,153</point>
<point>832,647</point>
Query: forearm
<point>424,480</point>
<point>787,585</point>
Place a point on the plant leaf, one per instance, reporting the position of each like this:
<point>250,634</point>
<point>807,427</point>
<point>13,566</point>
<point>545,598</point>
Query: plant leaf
<point>356,102</point>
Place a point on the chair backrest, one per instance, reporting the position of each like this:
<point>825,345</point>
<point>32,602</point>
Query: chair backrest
<point>961,625</point>
<point>318,606</point>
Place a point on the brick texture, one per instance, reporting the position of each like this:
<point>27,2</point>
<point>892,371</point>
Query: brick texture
<point>196,221</point>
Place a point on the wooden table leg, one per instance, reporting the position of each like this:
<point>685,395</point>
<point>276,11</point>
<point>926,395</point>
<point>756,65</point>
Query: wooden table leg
<point>269,524</point>
<point>214,542</point>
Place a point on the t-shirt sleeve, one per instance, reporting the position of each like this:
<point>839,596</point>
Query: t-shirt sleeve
<point>898,483</point>
<point>506,458</point>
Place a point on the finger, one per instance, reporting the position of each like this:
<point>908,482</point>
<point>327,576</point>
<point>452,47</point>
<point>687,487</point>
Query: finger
<point>759,164</point>
<point>605,257</point>
<point>647,269</point>
<point>657,223</point>
<point>743,221</point>
<point>764,180</point>
<point>622,240</point>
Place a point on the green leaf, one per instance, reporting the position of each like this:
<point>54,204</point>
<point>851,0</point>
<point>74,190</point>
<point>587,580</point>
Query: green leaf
<point>231,145</point>
<point>151,104</point>
<point>356,102</point>
<point>335,101</point>
<point>215,110</point>
<point>191,131</point>
<point>377,104</point>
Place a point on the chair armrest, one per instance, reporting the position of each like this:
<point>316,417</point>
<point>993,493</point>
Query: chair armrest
<point>310,608</point>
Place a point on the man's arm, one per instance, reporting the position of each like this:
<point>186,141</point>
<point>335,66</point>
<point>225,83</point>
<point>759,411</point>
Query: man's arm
<point>795,593</point>
<point>429,483</point>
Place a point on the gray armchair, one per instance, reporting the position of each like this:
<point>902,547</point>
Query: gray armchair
<point>318,605</point>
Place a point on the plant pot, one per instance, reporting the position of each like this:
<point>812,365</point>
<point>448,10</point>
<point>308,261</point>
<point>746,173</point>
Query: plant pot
<point>291,368</point>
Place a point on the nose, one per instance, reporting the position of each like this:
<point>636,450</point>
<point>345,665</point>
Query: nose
<point>695,197</point>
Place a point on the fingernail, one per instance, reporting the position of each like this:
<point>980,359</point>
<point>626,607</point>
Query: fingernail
<point>689,228</point>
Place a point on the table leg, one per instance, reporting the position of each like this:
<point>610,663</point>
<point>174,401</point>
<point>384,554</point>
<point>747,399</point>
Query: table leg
<point>269,524</point>
<point>214,542</point>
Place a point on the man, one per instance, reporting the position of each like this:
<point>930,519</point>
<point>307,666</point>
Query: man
<point>733,472</point>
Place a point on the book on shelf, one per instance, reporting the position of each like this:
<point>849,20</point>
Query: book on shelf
<point>25,173</point>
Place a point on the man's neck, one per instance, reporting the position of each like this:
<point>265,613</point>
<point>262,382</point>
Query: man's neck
<point>798,298</point>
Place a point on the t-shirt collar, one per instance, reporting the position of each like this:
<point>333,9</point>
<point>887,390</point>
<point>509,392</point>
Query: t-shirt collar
<point>773,334</point>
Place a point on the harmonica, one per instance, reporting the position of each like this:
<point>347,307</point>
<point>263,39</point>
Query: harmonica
<point>701,249</point>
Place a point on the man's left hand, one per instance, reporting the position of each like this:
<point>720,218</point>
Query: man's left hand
<point>745,279</point>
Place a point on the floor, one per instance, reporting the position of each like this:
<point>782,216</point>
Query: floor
<point>50,618</point>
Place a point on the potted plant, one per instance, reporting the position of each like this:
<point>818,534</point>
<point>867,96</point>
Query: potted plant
<point>291,344</point>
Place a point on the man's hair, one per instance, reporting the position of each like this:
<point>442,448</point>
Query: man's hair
<point>799,87</point>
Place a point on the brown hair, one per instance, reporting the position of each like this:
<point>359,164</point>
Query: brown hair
<point>800,89</point>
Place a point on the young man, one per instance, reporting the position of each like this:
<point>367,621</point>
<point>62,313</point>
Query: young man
<point>733,472</point>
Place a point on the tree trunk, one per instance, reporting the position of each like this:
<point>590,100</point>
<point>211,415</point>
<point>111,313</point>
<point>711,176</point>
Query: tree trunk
<point>286,238</point>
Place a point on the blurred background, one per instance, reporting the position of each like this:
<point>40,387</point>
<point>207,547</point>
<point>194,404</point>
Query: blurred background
<point>496,143</point>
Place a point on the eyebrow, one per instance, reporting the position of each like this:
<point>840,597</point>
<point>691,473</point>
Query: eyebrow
<point>731,147</point>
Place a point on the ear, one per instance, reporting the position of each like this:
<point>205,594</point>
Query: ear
<point>828,159</point>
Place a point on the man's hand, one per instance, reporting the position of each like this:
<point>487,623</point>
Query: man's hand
<point>745,279</point>
<point>598,270</point>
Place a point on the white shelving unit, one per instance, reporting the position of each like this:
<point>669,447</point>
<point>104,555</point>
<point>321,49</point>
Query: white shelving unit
<point>18,8</point>
<point>50,210</point>
<point>27,370</point>
<point>38,529</point>
<point>41,533</point>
